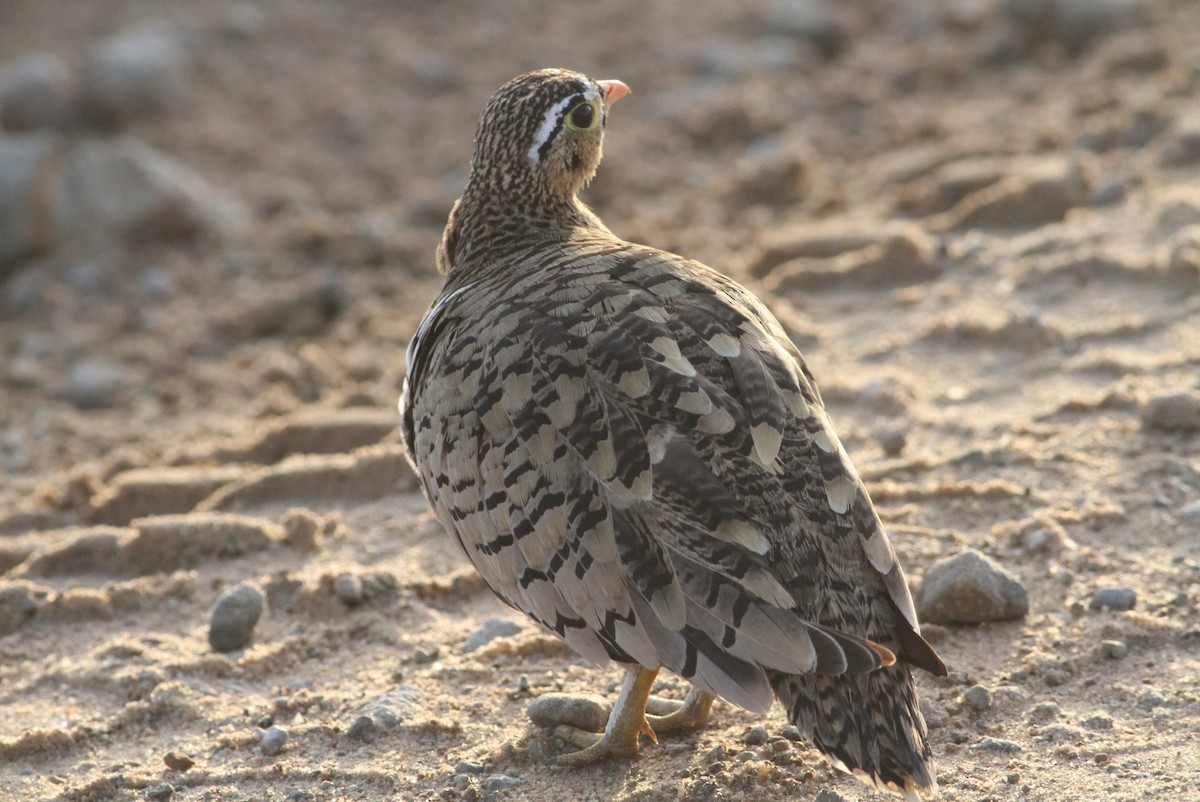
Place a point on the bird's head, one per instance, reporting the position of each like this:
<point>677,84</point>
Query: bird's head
<point>541,135</point>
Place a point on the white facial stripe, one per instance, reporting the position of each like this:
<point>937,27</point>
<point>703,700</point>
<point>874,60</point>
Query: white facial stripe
<point>549,123</point>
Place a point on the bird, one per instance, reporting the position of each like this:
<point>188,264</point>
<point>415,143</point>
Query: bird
<point>629,449</point>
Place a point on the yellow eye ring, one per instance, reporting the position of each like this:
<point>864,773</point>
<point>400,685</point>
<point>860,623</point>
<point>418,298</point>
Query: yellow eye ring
<point>584,116</point>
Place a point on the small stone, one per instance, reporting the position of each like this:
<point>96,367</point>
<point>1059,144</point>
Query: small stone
<point>1098,721</point>
<point>1116,599</point>
<point>1178,412</point>
<point>273,740</point>
<point>363,729</point>
<point>468,767</point>
<point>792,733</point>
<point>94,384</point>
<point>133,74</point>
<point>500,782</point>
<point>160,791</point>
<point>978,697</point>
<point>989,744</point>
<point>389,709</point>
<point>716,754</point>
<point>234,617</point>
<point>302,529</point>
<point>893,442</point>
<point>348,588</point>
<point>1151,699</point>
<point>36,92</point>
<point>26,163</point>
<point>492,628</point>
<point>460,783</point>
<point>829,796</point>
<point>969,588</point>
<point>582,712</point>
<point>178,761</point>
<point>936,716</point>
<point>1043,712</point>
<point>756,736</point>
<point>674,750</point>
<point>1114,649</point>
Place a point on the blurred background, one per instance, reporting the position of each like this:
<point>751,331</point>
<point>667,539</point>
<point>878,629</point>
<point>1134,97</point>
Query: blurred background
<point>978,219</point>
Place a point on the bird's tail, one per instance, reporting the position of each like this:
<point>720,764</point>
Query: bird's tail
<point>867,724</point>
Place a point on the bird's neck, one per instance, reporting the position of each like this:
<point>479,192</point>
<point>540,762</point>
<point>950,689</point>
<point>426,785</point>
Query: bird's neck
<point>489,223</point>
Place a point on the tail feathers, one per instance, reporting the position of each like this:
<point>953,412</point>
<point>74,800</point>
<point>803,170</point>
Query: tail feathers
<point>866,724</point>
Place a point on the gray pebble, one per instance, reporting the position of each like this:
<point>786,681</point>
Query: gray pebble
<point>757,736</point>
<point>1114,649</point>
<point>1190,513</point>
<point>134,73</point>
<point>500,782</point>
<point>745,756</point>
<point>1117,599</point>
<point>989,744</point>
<point>460,782</point>
<point>829,796</point>
<point>273,740</point>
<point>1151,699</point>
<point>893,442</point>
<point>1098,721</point>
<point>582,712</point>
<point>389,709</point>
<point>717,753</point>
<point>468,767</point>
<point>160,791</point>
<point>792,733</point>
<point>35,92</point>
<point>348,588</point>
<point>969,588</point>
<point>978,697</point>
<point>674,750</point>
<point>94,384</point>
<point>492,628</point>
<point>1043,712</point>
<point>234,616</point>
<point>1179,412</point>
<point>363,729</point>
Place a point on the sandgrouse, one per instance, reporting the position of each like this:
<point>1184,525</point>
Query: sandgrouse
<point>630,451</point>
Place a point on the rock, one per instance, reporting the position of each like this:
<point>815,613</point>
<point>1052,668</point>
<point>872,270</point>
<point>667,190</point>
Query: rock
<point>582,712</point>
<point>348,588</point>
<point>363,729</point>
<point>1034,196</point>
<point>757,736</point>
<point>829,796</point>
<point>1182,148</point>
<point>1189,512</point>
<point>1114,649</point>
<point>36,92</point>
<point>468,767</point>
<point>968,588</point>
<point>893,442</point>
<point>94,384</point>
<point>492,628</point>
<point>134,74</point>
<point>389,709</point>
<point>989,744</point>
<point>126,188</point>
<point>302,530</point>
<point>500,782</point>
<point>178,761</point>
<point>273,740</point>
<point>160,791</point>
<point>814,21</point>
<point>1116,599</point>
<point>26,172</point>
<point>1178,412</point>
<point>1098,722</point>
<point>1044,712</point>
<point>1076,23</point>
<point>978,697</point>
<point>234,616</point>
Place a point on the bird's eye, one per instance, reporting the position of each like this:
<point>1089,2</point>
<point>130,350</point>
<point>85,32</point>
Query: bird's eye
<point>584,116</point>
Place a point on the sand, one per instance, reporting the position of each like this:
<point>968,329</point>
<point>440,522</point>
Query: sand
<point>982,231</point>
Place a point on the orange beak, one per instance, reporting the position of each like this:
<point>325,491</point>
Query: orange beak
<point>614,90</point>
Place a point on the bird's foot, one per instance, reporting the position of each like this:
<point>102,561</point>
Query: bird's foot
<point>625,725</point>
<point>667,715</point>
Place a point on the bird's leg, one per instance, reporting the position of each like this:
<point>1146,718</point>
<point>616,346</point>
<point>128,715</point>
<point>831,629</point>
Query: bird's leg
<point>625,724</point>
<point>683,716</point>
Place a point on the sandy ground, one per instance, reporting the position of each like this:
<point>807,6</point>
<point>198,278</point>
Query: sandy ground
<point>983,240</point>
